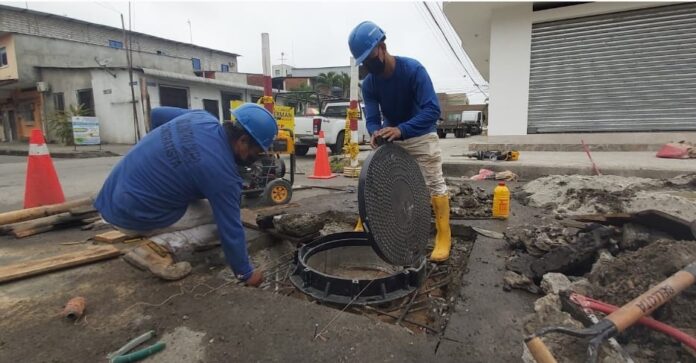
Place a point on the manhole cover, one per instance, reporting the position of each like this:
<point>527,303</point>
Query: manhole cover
<point>394,205</point>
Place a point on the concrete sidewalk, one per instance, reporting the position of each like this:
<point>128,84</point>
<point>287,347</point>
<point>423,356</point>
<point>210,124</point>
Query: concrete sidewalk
<point>536,164</point>
<point>616,141</point>
<point>62,151</point>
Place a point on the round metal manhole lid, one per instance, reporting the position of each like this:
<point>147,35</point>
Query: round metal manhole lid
<point>394,205</point>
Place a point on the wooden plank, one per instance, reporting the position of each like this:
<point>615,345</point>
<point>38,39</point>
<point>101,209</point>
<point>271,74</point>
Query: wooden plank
<point>31,268</point>
<point>249,218</point>
<point>26,232</point>
<point>37,212</point>
<point>111,237</point>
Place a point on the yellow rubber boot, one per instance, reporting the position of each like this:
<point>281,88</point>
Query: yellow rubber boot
<point>359,226</point>
<point>443,239</point>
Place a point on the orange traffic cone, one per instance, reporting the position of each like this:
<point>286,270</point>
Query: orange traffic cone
<point>321,161</point>
<point>42,186</point>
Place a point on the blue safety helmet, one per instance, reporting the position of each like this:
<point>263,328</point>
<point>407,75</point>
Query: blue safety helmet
<point>363,39</point>
<point>258,122</point>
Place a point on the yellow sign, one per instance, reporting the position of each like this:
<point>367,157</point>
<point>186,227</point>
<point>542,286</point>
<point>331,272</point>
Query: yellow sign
<point>285,116</point>
<point>235,103</point>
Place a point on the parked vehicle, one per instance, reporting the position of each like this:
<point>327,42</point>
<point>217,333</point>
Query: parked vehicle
<point>468,122</point>
<point>315,113</point>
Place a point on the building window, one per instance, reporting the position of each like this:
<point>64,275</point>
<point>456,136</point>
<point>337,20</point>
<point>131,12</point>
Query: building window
<point>58,102</point>
<point>86,100</point>
<point>277,72</point>
<point>224,67</point>
<point>196,64</point>
<point>115,44</point>
<point>3,57</point>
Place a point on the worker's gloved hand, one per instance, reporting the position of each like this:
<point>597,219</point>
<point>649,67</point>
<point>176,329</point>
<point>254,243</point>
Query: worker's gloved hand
<point>256,279</point>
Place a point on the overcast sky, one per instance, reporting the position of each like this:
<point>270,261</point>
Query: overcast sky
<point>311,34</point>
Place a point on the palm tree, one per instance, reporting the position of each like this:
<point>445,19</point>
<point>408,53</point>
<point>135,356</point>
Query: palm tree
<point>328,80</point>
<point>345,84</point>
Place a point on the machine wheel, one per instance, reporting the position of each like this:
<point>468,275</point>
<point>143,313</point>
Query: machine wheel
<point>278,191</point>
<point>441,134</point>
<point>460,133</point>
<point>337,148</point>
<point>301,150</point>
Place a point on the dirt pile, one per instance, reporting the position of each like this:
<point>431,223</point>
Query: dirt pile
<point>467,200</point>
<point>613,264</point>
<point>583,194</point>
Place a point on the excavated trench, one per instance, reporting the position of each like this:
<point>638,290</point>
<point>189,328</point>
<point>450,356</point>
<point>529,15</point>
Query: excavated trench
<point>419,300</point>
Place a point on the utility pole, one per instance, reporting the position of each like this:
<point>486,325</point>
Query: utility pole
<point>266,58</point>
<point>282,63</point>
<point>129,58</point>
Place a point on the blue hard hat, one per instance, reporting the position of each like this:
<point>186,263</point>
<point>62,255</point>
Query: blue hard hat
<point>258,122</point>
<point>363,39</point>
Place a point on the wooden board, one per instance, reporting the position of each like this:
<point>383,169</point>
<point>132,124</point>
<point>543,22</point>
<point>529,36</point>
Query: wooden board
<point>111,237</point>
<point>37,212</point>
<point>31,268</point>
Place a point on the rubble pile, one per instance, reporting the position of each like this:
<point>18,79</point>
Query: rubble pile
<point>468,201</point>
<point>585,194</point>
<point>613,259</point>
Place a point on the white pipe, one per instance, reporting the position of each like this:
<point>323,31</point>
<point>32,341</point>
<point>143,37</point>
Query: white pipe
<point>353,80</point>
<point>266,54</point>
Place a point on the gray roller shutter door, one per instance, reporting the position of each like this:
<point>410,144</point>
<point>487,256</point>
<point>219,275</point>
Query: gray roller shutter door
<point>628,71</point>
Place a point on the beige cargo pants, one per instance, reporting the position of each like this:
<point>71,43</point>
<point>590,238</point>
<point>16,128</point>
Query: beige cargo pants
<point>426,150</point>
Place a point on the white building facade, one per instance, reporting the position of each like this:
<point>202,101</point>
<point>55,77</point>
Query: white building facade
<point>583,67</point>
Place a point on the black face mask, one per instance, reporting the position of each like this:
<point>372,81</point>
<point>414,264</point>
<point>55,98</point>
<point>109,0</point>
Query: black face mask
<point>374,65</point>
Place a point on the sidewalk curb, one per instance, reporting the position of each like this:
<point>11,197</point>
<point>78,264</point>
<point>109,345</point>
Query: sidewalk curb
<point>563,147</point>
<point>64,155</point>
<point>529,172</point>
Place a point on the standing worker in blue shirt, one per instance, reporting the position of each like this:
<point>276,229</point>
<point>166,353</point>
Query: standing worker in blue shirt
<point>401,106</point>
<point>159,189</point>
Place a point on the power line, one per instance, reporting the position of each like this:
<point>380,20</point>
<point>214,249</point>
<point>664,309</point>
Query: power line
<point>451,47</point>
<point>433,31</point>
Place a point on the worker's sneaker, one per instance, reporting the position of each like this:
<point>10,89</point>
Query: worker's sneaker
<point>157,260</point>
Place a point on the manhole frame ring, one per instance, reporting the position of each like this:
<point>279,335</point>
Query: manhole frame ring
<point>340,290</point>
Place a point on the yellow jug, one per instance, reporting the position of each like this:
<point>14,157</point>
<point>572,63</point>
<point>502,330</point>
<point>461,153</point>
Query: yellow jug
<point>501,201</point>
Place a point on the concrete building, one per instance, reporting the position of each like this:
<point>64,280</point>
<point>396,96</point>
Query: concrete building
<point>583,67</point>
<point>51,62</point>
<point>282,70</point>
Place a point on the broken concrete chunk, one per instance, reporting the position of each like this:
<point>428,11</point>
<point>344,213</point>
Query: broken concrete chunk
<point>554,283</point>
<point>634,236</point>
<point>604,258</point>
<point>513,280</point>
<point>299,224</point>
<point>582,286</point>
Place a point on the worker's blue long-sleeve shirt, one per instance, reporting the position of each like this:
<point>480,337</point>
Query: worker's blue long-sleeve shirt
<point>407,100</point>
<point>185,159</point>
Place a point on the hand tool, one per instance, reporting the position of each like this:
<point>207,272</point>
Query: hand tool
<point>617,321</point>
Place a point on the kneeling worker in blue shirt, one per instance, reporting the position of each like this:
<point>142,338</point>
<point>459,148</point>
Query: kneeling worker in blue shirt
<point>401,106</point>
<point>180,186</point>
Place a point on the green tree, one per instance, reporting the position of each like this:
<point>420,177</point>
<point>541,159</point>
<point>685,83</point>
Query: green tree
<point>328,80</point>
<point>345,84</point>
<point>60,123</point>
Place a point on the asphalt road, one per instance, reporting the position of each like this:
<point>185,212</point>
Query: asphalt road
<point>84,177</point>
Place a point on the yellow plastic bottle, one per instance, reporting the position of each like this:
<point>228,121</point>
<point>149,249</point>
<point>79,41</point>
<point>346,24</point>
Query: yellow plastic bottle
<point>501,201</point>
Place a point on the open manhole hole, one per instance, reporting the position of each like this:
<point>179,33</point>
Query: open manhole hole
<point>383,271</point>
<point>342,268</point>
<point>423,309</point>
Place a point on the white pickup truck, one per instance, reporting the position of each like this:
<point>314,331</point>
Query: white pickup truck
<point>332,120</point>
